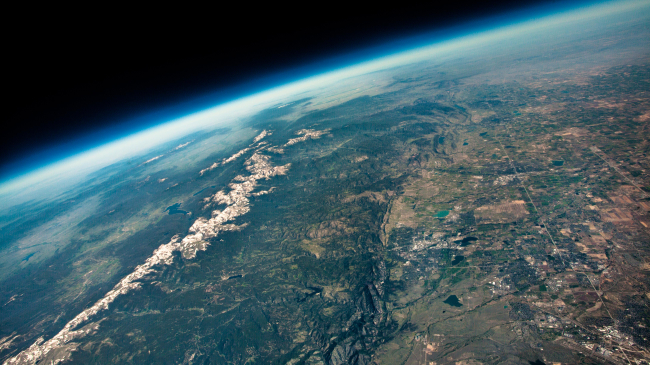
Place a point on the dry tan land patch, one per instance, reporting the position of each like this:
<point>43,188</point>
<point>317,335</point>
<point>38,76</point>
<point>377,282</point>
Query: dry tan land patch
<point>616,215</point>
<point>501,213</point>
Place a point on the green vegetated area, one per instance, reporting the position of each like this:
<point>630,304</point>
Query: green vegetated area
<point>422,226</point>
<point>77,258</point>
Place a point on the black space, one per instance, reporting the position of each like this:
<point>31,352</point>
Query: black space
<point>73,72</point>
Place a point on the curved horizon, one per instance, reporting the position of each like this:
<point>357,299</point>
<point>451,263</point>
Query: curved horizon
<point>164,125</point>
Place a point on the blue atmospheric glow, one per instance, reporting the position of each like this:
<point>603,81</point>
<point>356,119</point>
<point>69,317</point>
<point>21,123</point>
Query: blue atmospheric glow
<point>160,126</point>
<point>147,119</point>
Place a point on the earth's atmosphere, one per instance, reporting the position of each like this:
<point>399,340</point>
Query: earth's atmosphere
<point>484,200</point>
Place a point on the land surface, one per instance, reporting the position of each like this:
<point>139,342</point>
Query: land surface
<point>437,213</point>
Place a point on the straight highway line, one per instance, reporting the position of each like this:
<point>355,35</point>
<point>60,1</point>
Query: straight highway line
<point>541,218</point>
<point>597,151</point>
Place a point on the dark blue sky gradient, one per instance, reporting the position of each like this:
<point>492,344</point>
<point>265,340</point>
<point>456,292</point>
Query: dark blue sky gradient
<point>196,96</point>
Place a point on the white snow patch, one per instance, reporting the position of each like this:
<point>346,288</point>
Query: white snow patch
<point>237,204</point>
<point>262,135</point>
<point>306,134</point>
<point>182,145</point>
<point>152,159</point>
